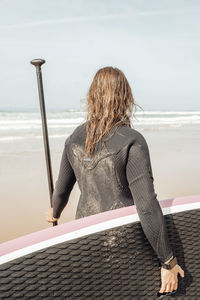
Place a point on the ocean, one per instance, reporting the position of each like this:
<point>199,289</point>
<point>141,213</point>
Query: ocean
<point>18,126</point>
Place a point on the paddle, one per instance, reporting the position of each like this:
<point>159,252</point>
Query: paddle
<point>37,63</point>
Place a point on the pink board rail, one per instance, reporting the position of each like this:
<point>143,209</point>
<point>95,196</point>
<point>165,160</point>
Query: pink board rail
<point>23,245</point>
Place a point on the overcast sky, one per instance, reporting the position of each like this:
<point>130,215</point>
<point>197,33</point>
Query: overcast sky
<point>155,43</point>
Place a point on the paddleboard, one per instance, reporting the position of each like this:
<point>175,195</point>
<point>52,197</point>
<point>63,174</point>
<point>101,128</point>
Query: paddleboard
<point>103,256</point>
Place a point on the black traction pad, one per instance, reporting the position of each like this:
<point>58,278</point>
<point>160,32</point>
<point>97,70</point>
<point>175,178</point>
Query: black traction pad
<point>116,263</point>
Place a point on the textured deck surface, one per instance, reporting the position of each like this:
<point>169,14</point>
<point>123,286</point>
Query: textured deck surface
<point>116,263</point>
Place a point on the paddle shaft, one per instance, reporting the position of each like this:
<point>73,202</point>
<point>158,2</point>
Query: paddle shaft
<point>37,63</point>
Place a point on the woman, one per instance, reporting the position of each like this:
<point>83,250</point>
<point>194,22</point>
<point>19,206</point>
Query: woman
<point>108,157</point>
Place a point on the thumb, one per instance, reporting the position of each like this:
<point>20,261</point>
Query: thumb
<point>181,272</point>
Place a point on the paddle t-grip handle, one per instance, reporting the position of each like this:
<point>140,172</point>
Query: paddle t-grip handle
<point>37,62</point>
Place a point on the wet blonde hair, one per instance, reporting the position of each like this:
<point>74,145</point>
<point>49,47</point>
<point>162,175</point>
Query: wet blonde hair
<point>109,103</point>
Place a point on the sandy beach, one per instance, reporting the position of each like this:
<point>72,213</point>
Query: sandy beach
<point>174,153</point>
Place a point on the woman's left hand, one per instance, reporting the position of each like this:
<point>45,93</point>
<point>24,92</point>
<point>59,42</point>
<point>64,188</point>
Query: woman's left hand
<point>169,279</point>
<point>49,216</point>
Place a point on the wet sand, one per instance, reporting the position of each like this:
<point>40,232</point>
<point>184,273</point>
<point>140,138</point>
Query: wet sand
<point>24,194</point>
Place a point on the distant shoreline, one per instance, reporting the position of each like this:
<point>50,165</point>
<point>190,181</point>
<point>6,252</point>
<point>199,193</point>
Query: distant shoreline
<point>32,110</point>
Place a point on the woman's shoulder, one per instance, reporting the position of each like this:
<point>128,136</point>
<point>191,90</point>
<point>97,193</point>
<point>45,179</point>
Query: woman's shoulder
<point>135,136</point>
<point>78,133</point>
<point>80,128</point>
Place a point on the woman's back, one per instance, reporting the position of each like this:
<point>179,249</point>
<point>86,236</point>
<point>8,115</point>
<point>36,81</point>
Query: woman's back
<point>102,180</point>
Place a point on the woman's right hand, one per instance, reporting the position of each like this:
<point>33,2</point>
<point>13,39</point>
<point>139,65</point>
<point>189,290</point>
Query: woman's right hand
<point>169,279</point>
<point>49,216</point>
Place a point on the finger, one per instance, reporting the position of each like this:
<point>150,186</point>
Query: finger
<point>168,288</point>
<point>163,287</point>
<point>172,286</point>
<point>50,221</point>
<point>181,272</point>
<point>176,285</point>
<point>53,219</point>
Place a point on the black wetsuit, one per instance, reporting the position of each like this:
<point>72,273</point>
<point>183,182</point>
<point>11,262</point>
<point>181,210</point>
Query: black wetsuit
<point>119,175</point>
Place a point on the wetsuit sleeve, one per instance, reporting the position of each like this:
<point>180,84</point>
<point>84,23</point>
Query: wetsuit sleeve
<point>140,179</point>
<point>64,184</point>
